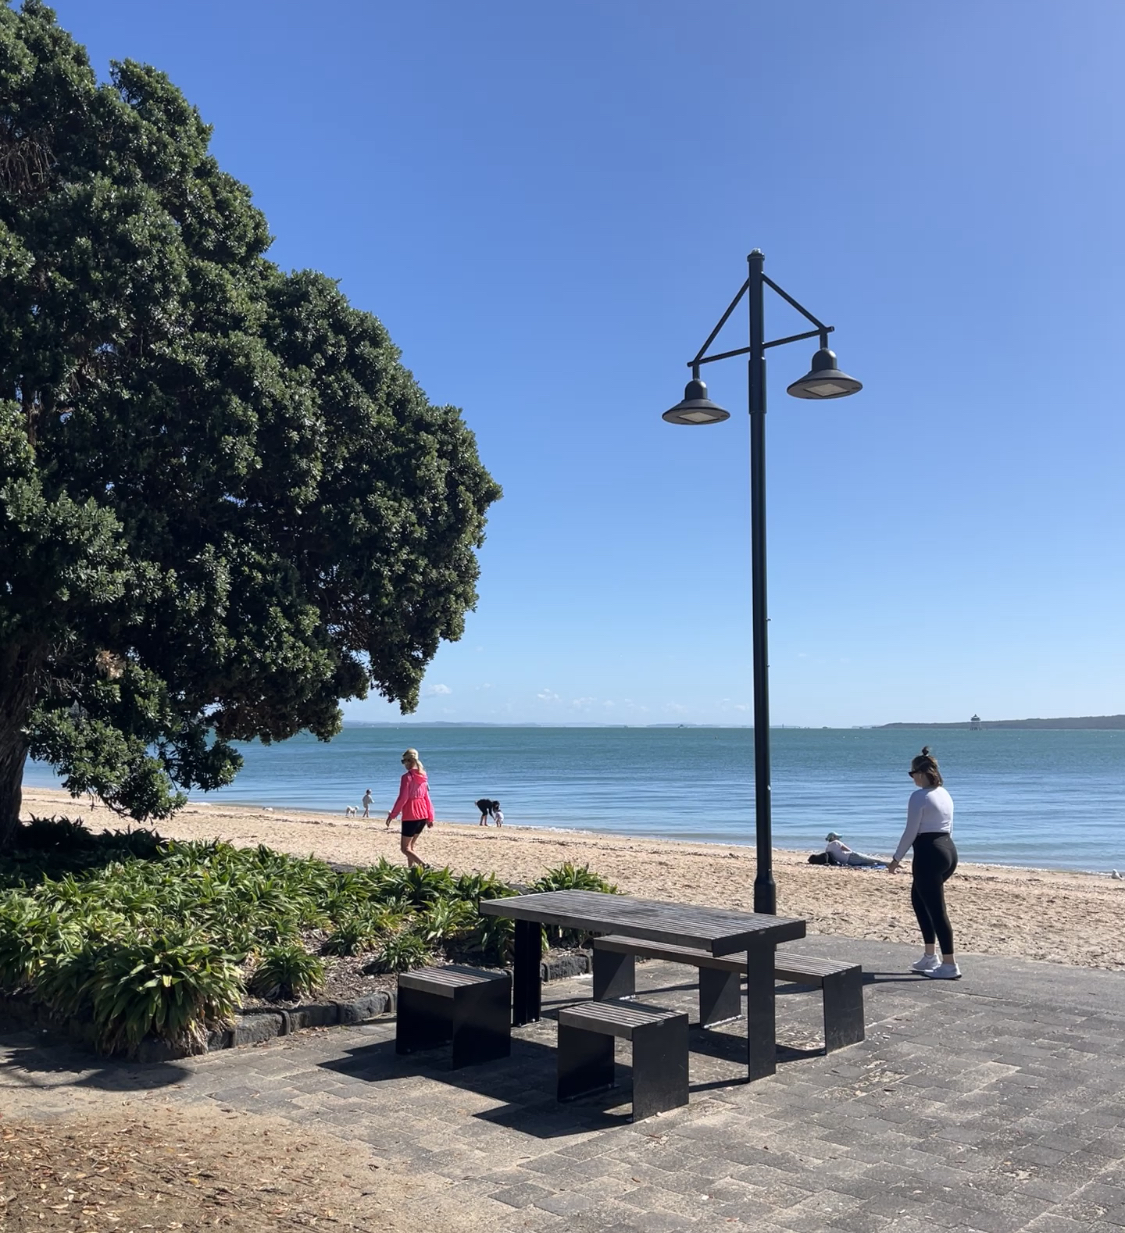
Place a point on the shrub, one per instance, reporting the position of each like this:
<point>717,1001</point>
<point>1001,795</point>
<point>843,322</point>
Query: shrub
<point>288,972</point>
<point>491,939</point>
<point>30,934</point>
<point>175,986</point>
<point>49,834</point>
<point>360,932</point>
<point>399,952</point>
<point>572,877</point>
<point>444,922</point>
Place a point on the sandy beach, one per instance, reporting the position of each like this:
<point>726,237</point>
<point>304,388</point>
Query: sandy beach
<point>1060,917</point>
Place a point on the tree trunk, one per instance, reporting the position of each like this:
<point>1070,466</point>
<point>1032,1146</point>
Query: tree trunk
<point>19,669</point>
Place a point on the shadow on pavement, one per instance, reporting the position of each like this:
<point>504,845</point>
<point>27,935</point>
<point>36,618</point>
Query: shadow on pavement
<point>30,1063</point>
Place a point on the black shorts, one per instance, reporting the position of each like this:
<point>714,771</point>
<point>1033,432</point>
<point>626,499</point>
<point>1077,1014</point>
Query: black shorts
<point>410,829</point>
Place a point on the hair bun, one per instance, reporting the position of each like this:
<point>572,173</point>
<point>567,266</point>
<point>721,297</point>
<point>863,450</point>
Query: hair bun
<point>925,751</point>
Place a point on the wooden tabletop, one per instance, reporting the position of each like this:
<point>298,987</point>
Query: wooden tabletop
<point>682,924</point>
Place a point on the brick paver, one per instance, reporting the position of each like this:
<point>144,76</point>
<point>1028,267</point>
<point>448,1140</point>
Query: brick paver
<point>991,1105</point>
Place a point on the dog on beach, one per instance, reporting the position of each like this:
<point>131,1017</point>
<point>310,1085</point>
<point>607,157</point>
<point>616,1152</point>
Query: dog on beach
<point>352,811</point>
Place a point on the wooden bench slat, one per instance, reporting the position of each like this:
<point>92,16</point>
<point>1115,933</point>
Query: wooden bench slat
<point>613,1018</point>
<point>443,981</point>
<point>787,966</point>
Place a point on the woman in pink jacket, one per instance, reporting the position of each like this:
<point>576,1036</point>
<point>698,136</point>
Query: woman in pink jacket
<point>414,802</point>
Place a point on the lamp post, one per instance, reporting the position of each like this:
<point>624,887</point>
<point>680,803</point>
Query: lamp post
<point>823,380</point>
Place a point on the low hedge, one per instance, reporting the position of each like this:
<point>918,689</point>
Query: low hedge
<point>151,937</point>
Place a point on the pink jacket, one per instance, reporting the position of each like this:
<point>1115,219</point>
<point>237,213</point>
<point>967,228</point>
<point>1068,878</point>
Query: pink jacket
<point>413,798</point>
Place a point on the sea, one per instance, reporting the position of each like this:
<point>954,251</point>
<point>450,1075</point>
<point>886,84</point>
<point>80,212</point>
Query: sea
<point>1052,799</point>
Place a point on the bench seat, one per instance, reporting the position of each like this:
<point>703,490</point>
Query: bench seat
<point>720,999</point>
<point>659,1037</point>
<point>468,1008</point>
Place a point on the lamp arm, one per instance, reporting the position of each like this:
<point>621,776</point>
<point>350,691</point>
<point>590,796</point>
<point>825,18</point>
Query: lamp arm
<point>822,331</point>
<point>777,342</point>
<point>722,321</point>
<point>799,307</point>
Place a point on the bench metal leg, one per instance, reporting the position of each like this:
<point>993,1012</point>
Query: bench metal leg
<point>615,975</point>
<point>585,1062</point>
<point>422,1021</point>
<point>843,1009</point>
<point>720,996</point>
<point>482,1023</point>
<point>761,1020</point>
<point>660,1067</point>
<point>527,986</point>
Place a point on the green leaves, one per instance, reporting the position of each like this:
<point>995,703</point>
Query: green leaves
<point>288,972</point>
<point>147,937</point>
<point>215,477</point>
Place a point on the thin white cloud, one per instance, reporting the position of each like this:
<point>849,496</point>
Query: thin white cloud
<point>548,695</point>
<point>579,702</point>
<point>439,689</point>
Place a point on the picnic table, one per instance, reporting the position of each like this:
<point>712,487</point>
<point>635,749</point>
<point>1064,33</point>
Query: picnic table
<point>717,930</point>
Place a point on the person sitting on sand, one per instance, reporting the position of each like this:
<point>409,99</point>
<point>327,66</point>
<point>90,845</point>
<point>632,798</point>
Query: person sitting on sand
<point>840,854</point>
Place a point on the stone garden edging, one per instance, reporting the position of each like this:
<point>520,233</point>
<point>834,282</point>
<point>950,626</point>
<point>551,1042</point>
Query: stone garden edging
<point>251,1026</point>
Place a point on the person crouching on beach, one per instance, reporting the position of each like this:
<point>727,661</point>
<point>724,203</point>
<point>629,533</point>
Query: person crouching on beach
<point>414,802</point>
<point>485,807</point>
<point>929,828</point>
<point>840,854</point>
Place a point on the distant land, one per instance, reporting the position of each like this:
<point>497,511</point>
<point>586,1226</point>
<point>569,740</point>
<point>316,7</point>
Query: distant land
<point>1080,721</point>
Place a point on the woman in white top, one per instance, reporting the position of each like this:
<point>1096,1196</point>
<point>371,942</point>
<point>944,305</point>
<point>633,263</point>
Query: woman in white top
<point>929,827</point>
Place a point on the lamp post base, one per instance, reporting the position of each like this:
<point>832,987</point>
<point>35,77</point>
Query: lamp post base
<point>765,894</point>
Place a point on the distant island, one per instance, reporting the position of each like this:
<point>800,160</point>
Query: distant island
<point>1080,721</point>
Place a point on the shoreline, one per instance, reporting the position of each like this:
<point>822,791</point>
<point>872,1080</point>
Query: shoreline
<point>1058,916</point>
<point>61,800</point>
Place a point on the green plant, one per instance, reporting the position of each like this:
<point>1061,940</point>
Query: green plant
<point>473,887</point>
<point>360,932</point>
<point>175,986</point>
<point>572,877</point>
<point>491,939</point>
<point>399,952</point>
<point>444,922</point>
<point>30,934</point>
<point>288,972</point>
<point>48,834</point>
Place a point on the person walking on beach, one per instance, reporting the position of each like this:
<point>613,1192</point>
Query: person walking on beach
<point>414,802</point>
<point>497,813</point>
<point>929,829</point>
<point>367,799</point>
<point>840,854</point>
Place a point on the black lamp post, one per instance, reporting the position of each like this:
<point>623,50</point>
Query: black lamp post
<point>824,380</point>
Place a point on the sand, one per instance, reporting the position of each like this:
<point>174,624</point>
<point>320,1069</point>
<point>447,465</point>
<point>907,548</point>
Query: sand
<point>1071,918</point>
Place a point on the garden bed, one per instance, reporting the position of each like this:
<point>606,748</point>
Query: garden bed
<point>156,950</point>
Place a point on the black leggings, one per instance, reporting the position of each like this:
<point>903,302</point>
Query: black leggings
<point>935,860</point>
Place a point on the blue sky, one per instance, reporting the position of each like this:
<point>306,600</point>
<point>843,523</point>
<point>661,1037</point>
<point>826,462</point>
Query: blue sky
<point>549,206</point>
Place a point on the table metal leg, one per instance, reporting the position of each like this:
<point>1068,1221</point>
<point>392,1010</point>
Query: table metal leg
<point>526,982</point>
<point>761,1020</point>
<point>615,975</point>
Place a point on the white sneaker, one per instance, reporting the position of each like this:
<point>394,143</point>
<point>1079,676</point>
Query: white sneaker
<point>944,971</point>
<point>926,964</point>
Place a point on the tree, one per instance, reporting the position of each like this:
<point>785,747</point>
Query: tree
<point>224,503</point>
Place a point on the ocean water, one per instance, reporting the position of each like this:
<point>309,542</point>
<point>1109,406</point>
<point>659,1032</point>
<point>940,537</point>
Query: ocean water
<point>1047,799</point>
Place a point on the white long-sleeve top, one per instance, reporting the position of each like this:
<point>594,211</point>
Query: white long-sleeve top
<point>928,810</point>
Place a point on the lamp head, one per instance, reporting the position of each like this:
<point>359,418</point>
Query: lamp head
<point>696,407</point>
<point>824,379</point>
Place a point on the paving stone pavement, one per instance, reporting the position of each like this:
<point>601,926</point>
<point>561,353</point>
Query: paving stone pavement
<point>994,1104</point>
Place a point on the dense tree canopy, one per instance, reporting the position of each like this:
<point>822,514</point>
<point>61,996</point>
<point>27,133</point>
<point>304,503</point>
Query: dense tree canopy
<point>224,503</point>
